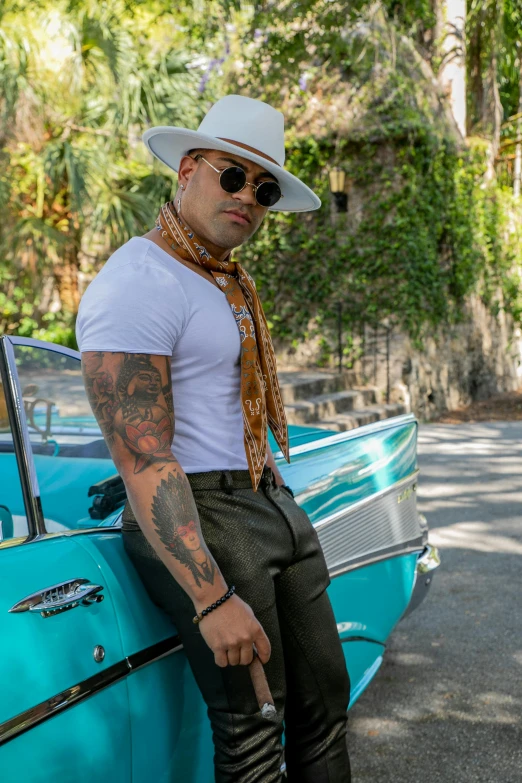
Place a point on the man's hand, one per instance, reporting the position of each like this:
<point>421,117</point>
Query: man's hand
<point>231,630</point>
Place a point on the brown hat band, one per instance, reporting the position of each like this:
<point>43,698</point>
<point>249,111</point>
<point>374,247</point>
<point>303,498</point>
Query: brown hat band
<point>250,149</point>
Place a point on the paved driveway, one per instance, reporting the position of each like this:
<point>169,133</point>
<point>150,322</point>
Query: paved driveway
<point>447,702</point>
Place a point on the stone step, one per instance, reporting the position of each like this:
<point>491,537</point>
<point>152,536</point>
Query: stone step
<point>327,406</point>
<point>358,418</point>
<point>303,385</point>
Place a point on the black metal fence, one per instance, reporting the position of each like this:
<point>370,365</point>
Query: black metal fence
<point>368,350</point>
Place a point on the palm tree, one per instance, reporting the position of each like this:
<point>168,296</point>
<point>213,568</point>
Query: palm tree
<point>80,82</point>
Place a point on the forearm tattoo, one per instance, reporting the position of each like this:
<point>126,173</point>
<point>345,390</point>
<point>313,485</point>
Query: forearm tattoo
<point>133,401</point>
<point>174,515</point>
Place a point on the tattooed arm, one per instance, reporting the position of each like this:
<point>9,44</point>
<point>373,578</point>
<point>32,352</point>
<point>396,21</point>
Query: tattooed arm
<point>131,397</point>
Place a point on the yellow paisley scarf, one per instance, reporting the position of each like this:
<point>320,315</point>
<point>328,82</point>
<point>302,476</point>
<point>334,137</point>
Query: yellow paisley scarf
<point>260,393</point>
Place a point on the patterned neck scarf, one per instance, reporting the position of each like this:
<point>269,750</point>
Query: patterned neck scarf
<point>260,393</point>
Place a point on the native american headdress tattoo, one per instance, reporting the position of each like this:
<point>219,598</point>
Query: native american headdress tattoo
<point>172,505</point>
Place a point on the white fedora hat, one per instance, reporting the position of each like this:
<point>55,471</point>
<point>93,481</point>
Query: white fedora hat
<point>241,126</point>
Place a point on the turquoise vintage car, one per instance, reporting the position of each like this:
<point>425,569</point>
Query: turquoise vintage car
<point>95,684</point>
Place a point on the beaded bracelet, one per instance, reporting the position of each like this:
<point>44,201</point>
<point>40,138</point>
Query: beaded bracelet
<point>201,615</point>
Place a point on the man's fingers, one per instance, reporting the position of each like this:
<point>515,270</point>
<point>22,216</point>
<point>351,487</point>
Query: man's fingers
<point>220,658</point>
<point>247,655</point>
<point>263,645</point>
<point>233,655</point>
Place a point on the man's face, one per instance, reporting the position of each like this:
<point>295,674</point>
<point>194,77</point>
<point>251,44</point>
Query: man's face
<point>189,535</point>
<point>145,386</point>
<point>224,219</point>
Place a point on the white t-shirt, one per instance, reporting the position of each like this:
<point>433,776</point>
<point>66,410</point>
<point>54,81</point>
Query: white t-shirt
<point>144,301</point>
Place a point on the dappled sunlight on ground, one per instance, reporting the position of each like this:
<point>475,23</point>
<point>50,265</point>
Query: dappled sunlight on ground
<point>474,535</point>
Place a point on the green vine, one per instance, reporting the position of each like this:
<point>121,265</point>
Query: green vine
<point>430,232</point>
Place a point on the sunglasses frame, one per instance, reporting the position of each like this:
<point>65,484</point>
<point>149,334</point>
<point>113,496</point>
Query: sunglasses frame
<point>252,185</point>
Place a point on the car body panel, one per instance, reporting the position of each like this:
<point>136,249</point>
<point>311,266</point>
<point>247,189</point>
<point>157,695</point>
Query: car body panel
<point>331,476</point>
<point>169,718</point>
<point>88,742</point>
<point>364,660</point>
<point>362,606</point>
<point>43,656</point>
<point>165,701</point>
<point>342,469</point>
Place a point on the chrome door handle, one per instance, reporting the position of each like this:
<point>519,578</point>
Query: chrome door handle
<point>60,598</point>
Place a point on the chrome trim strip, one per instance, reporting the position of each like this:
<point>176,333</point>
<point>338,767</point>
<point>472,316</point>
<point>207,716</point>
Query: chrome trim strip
<point>341,437</point>
<point>402,549</point>
<point>321,523</point>
<point>78,532</point>
<point>10,542</point>
<point>159,650</point>
<point>362,639</point>
<point>15,727</point>
<point>22,445</point>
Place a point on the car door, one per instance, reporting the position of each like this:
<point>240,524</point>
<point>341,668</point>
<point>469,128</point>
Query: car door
<point>64,709</point>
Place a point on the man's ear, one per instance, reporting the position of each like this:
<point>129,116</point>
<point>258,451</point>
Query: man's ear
<point>187,167</point>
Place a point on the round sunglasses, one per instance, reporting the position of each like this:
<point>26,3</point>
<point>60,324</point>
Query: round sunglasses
<point>233,180</point>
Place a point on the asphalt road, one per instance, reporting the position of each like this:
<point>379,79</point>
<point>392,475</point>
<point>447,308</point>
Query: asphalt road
<point>447,703</point>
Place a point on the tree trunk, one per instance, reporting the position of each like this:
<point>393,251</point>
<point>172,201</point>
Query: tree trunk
<point>476,86</point>
<point>66,276</point>
<point>452,75</point>
<point>492,108</point>
<point>517,179</point>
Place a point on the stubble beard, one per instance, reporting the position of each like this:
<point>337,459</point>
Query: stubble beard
<point>214,228</point>
<point>232,235</point>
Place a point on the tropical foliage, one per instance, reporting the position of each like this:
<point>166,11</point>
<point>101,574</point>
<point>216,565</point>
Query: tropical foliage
<point>82,80</point>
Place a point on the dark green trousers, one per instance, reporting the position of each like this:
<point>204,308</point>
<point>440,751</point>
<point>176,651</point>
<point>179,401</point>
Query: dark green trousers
<point>263,543</point>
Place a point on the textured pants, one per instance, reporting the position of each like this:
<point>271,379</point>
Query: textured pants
<point>263,543</point>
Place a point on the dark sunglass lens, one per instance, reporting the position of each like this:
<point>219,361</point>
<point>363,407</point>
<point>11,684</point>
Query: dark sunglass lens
<point>268,194</point>
<point>233,179</point>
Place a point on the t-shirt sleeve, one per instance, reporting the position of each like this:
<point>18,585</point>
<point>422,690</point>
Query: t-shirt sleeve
<point>136,308</point>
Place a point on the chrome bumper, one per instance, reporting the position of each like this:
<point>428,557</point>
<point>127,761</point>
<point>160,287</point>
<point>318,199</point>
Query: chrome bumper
<point>427,563</point>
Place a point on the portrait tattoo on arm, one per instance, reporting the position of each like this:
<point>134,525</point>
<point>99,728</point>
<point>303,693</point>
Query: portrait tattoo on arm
<point>146,424</point>
<point>133,401</point>
<point>174,515</point>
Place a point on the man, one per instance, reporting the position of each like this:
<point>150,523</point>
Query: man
<point>181,374</point>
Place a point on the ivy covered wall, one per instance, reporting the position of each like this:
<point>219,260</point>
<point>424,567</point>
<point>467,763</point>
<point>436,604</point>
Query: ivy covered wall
<point>428,223</point>
<point>426,230</point>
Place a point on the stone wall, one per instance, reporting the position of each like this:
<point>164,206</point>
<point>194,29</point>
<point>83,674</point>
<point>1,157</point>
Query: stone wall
<point>472,360</point>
